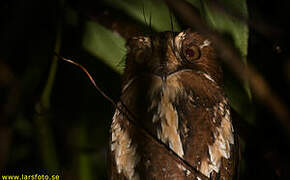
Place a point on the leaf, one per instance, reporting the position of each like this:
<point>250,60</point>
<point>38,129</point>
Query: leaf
<point>104,44</point>
<point>227,24</point>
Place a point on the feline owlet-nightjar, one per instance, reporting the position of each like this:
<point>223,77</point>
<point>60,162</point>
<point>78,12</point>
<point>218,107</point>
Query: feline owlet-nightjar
<point>172,87</point>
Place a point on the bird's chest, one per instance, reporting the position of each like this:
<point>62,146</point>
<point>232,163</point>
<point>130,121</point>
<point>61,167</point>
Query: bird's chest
<point>154,104</point>
<point>196,126</point>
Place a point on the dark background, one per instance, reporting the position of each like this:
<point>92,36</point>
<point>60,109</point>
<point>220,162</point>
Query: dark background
<point>70,136</point>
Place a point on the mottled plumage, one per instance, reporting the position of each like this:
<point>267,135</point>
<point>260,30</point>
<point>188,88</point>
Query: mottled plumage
<point>172,86</point>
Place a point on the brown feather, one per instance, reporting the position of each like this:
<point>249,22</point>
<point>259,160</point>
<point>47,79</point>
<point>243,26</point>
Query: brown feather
<point>178,102</point>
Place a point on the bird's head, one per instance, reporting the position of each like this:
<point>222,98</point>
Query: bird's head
<point>167,53</point>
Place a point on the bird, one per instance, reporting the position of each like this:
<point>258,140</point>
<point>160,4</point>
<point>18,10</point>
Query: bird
<point>172,106</point>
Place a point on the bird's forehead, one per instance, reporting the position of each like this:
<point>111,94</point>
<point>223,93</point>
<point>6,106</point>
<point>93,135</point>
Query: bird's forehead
<point>178,39</point>
<point>164,40</point>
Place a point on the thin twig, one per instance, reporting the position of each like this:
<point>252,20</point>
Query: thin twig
<point>91,79</point>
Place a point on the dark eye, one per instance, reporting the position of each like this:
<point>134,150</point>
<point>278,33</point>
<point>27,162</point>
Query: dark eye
<point>191,52</point>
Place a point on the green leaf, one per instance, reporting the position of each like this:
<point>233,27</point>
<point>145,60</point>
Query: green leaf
<point>104,44</point>
<point>227,24</point>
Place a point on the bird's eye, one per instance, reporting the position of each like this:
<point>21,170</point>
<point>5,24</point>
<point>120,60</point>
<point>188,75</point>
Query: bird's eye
<point>191,52</point>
